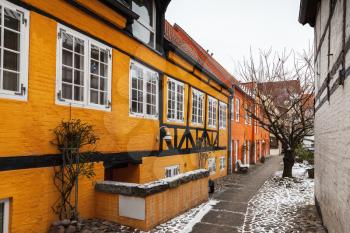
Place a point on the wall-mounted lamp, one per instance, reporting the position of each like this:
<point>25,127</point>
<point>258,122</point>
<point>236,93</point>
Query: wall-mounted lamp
<point>165,134</point>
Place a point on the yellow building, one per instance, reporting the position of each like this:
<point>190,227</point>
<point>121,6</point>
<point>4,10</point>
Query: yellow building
<point>106,63</point>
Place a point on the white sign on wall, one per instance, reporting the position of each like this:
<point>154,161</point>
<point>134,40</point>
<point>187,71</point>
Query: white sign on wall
<point>132,207</point>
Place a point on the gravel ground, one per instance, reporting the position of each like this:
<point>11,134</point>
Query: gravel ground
<point>284,205</point>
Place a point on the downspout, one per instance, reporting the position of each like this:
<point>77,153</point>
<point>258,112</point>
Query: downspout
<point>229,143</point>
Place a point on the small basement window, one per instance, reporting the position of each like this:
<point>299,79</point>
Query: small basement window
<point>172,171</point>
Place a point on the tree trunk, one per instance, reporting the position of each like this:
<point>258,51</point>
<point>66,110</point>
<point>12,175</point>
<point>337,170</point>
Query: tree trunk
<point>288,161</point>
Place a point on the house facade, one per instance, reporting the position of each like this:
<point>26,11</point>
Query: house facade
<point>250,141</point>
<point>330,20</point>
<point>150,91</point>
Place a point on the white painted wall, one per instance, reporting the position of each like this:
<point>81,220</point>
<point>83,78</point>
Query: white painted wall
<point>332,128</point>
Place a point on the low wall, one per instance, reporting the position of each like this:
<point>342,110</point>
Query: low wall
<point>147,205</point>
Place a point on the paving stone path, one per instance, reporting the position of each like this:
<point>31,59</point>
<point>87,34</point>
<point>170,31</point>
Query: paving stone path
<point>234,192</point>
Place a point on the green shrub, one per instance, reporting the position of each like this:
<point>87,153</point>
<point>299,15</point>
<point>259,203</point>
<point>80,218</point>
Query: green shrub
<point>304,154</point>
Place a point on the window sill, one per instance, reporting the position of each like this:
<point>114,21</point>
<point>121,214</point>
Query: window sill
<point>11,96</point>
<point>176,121</point>
<point>139,116</point>
<point>82,105</point>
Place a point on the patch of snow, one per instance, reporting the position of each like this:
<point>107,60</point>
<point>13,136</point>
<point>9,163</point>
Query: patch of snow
<point>284,205</point>
<point>154,183</point>
<point>185,222</point>
<point>299,170</point>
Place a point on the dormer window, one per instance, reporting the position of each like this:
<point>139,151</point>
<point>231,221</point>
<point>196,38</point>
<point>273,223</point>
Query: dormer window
<point>144,28</point>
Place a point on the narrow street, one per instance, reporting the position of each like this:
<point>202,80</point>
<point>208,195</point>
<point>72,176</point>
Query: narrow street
<point>228,215</point>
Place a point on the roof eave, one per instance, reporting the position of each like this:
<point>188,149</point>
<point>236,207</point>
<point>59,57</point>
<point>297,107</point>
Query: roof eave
<point>175,49</point>
<point>307,12</point>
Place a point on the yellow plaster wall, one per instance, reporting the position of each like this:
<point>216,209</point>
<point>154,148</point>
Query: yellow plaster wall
<point>160,207</point>
<point>32,194</point>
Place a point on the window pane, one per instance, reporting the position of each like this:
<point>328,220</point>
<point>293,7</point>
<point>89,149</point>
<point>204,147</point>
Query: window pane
<point>104,56</point>
<point>94,97</point>
<point>145,10</point>
<point>12,19</point>
<point>143,34</point>
<point>11,60</point>
<point>94,67</point>
<point>78,77</point>
<point>103,98</point>
<point>94,82</point>
<point>103,84</point>
<point>79,46</point>
<point>67,58</point>
<point>67,91</point>
<point>103,70</point>
<point>10,81</point>
<point>67,41</point>
<point>67,74</point>
<point>79,62</point>
<point>94,52</point>
<point>78,93</point>
<point>11,40</point>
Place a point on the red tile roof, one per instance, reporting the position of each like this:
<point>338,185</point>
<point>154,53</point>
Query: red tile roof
<point>177,36</point>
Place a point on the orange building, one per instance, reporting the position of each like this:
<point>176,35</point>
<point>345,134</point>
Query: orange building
<point>249,141</point>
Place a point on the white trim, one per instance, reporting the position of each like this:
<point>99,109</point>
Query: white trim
<point>238,106</point>
<point>86,86</point>
<point>23,52</point>
<point>6,215</point>
<point>214,103</point>
<point>200,95</point>
<point>222,121</point>
<point>144,103</point>
<point>177,84</point>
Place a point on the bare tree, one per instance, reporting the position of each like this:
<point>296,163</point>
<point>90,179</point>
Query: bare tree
<point>283,87</point>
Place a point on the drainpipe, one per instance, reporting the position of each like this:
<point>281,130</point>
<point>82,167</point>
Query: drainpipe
<point>229,143</point>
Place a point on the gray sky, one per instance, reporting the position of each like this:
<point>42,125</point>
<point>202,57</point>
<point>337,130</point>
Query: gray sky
<point>229,28</point>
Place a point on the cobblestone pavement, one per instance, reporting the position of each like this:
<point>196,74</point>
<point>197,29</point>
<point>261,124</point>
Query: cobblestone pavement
<point>233,193</point>
<point>284,205</point>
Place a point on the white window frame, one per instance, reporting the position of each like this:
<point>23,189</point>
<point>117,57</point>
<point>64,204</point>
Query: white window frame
<point>22,93</point>
<point>222,163</point>
<point>87,59</point>
<point>174,170</point>
<point>177,85</point>
<point>212,102</point>
<point>148,27</point>
<point>237,109</point>
<point>222,115</point>
<point>144,91</point>
<point>200,96</point>
<point>6,214</point>
<point>212,165</point>
<point>232,109</point>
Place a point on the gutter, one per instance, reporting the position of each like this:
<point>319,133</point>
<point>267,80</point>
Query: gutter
<point>171,47</point>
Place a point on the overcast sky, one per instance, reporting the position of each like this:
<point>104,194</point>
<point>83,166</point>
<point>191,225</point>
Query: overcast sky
<point>229,28</point>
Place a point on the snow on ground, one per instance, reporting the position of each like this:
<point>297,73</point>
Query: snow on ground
<point>284,205</point>
<point>185,222</point>
<point>180,224</point>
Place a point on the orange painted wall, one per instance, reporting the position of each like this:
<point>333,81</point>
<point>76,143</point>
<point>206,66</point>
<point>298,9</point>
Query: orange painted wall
<point>242,132</point>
